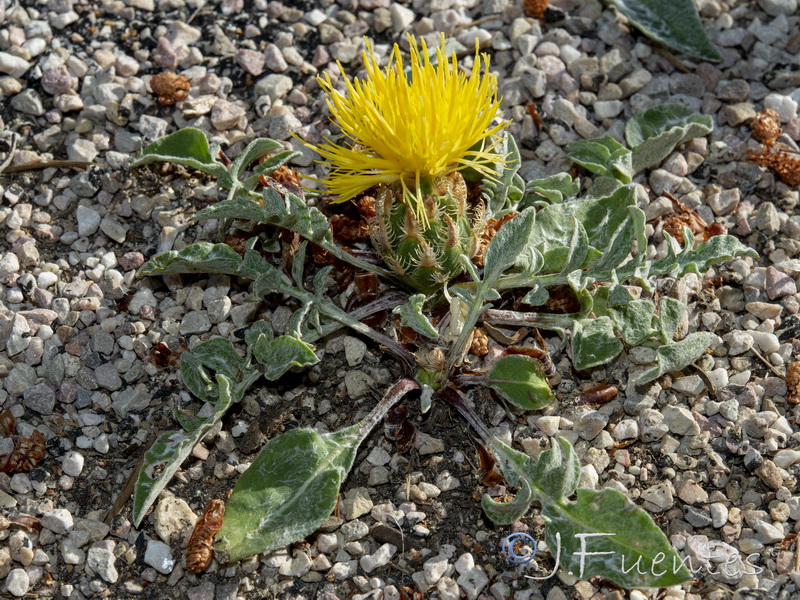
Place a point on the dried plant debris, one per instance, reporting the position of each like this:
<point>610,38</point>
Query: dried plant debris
<point>170,88</point>
<point>200,551</point>
<point>766,127</point>
<point>793,383</point>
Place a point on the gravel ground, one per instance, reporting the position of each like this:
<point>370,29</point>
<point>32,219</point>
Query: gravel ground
<point>87,349</point>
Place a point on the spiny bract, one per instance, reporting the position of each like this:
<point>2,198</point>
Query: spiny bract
<point>428,255</point>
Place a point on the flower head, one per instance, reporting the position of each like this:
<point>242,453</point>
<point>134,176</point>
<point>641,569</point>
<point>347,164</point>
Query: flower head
<point>411,130</point>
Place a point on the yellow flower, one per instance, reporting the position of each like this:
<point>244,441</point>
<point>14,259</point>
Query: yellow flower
<point>412,131</point>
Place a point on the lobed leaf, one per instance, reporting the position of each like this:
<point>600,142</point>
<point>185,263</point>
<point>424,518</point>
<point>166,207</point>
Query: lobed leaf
<point>506,245</point>
<point>603,156</point>
<point>698,260</point>
<point>674,356</point>
<point>411,316</point>
<point>555,189</point>
<point>675,24</point>
<point>202,257</point>
<point>656,132</point>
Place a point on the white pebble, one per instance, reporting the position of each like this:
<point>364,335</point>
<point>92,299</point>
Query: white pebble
<point>46,279</point>
<point>72,463</point>
<point>159,556</point>
<point>18,582</point>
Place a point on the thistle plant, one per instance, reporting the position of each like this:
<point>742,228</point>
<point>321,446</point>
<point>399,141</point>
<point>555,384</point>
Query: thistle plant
<point>408,135</point>
<point>425,227</point>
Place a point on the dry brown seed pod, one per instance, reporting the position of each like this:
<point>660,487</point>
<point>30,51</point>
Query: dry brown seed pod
<point>169,87</point>
<point>480,342</point>
<point>766,125</point>
<point>793,383</point>
<point>200,550</point>
<point>535,8</point>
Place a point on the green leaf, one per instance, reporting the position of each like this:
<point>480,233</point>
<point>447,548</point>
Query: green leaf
<point>675,356</point>
<point>656,132</point>
<point>507,185</point>
<point>594,342</point>
<point>202,257</point>
<point>691,260</point>
<point>292,485</point>
<point>608,523</point>
<point>552,190</point>
<point>507,244</point>
<point>675,24</point>
<point>219,355</point>
<point>168,452</point>
<point>557,471</point>
<point>269,166</point>
<point>634,320</point>
<point>670,312</point>
<point>520,380</point>
<point>411,316</point>
<point>188,147</point>
<point>254,150</point>
<point>603,156</point>
<point>283,353</point>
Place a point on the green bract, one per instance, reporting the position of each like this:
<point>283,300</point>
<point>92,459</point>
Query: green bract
<point>582,247</point>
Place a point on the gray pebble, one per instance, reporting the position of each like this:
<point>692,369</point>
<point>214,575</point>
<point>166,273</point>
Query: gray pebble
<point>40,398</point>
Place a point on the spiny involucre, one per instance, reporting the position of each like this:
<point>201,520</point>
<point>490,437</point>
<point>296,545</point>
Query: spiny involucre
<point>426,254</point>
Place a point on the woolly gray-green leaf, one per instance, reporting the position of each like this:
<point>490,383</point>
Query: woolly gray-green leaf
<point>655,133</point>
<point>603,156</point>
<point>674,356</point>
<point>293,484</point>
<point>675,24</point>
<point>188,147</point>
<point>603,533</point>
<point>594,342</point>
<point>519,379</point>
<point>411,316</point>
<point>201,257</point>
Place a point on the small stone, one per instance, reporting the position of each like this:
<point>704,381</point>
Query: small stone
<point>159,556</point>
<point>204,591</point>
<point>82,150</point>
<point>114,229</point>
<point>769,474</point>
<point>40,398</point>
<point>691,385</point>
<point>767,533</point>
<point>719,514</point>
<point>274,59</point>
<point>680,420</point>
<point>358,384</point>
<point>58,520</point>
<point>56,80</point>
<point>100,559</point>
<point>28,102</point>
<point>175,520</point>
<point>381,557</point>
<point>658,498</point>
<point>786,458</point>
<point>779,284</point>
<point>72,463</point>
<point>13,65</point>
<point>17,581</point>
<point>275,86</point>
<point>226,115</point>
<point>196,321</point>
<point>402,17</point>
<point>131,261</point>
<point>626,429</point>
<point>473,582</point>
<point>737,114</point>
<point>251,61</point>
<point>434,568</point>
<point>691,493</point>
<point>357,503</point>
